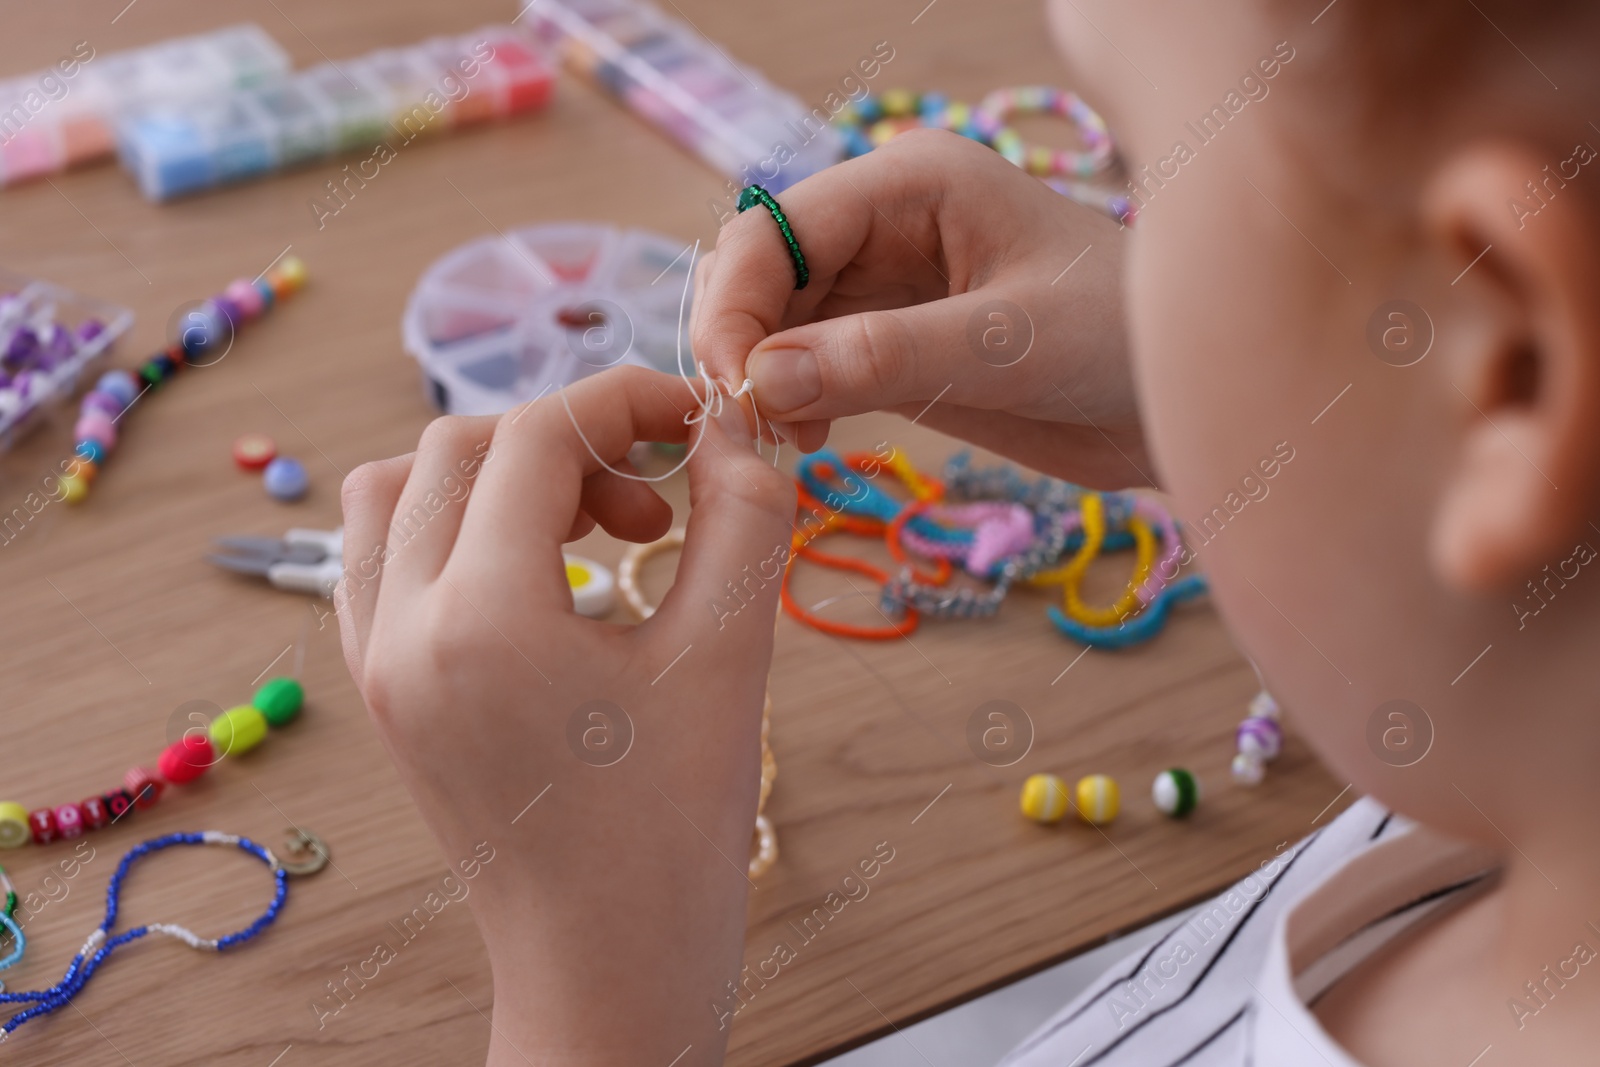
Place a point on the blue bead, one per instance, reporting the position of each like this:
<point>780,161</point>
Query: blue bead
<point>285,479</point>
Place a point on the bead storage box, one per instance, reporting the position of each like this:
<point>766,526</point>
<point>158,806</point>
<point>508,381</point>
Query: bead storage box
<point>728,114</point>
<point>500,320</point>
<point>374,104</point>
<point>52,119</point>
<point>49,337</point>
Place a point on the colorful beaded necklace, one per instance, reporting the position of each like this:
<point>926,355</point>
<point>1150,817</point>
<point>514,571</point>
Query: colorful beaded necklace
<point>207,328</point>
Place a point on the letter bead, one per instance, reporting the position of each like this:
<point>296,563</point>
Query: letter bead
<point>1099,799</point>
<point>117,803</point>
<point>94,813</point>
<point>1044,798</point>
<point>14,829</point>
<point>42,821</point>
<point>69,822</point>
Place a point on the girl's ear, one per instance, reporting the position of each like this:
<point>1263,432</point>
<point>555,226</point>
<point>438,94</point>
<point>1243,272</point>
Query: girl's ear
<point>1524,364</point>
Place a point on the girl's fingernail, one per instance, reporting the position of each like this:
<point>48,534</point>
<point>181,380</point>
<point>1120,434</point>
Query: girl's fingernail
<point>785,378</point>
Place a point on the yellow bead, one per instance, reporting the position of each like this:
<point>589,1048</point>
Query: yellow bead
<point>237,730</point>
<point>1099,799</point>
<point>73,489</point>
<point>292,269</point>
<point>1044,798</point>
<point>899,102</point>
<point>14,831</point>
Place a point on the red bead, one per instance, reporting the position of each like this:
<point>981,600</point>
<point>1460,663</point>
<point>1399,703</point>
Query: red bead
<point>117,803</point>
<point>94,813</point>
<point>144,786</point>
<point>43,824</point>
<point>187,758</point>
<point>69,821</point>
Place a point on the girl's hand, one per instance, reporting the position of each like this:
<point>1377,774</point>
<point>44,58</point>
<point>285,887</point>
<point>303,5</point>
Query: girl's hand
<point>614,906</point>
<point>939,272</point>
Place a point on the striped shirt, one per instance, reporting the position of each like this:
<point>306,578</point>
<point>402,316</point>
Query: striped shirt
<point>1234,982</point>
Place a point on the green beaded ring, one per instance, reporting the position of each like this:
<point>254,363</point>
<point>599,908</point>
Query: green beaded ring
<point>752,195</point>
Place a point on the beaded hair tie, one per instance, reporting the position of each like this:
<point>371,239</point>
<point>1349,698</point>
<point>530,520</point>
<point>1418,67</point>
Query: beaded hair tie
<point>102,942</point>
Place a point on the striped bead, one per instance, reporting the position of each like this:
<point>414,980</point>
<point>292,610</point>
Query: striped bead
<point>1044,798</point>
<point>1175,792</point>
<point>1099,799</point>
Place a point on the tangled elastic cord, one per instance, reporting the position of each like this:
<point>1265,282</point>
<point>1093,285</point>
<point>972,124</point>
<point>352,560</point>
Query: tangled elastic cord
<point>102,943</point>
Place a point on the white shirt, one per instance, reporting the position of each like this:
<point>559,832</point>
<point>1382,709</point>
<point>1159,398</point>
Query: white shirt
<point>1233,984</point>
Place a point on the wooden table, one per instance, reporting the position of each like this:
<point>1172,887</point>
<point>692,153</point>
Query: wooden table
<point>113,622</point>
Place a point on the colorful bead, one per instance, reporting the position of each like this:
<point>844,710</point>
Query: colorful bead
<point>119,384</point>
<point>95,400</point>
<point>292,270</point>
<point>117,803</point>
<point>144,786</point>
<point>71,489</point>
<point>1099,799</point>
<point>1098,153</point>
<point>1264,706</point>
<point>1261,737</point>
<point>1044,798</point>
<point>285,479</point>
<point>69,822</point>
<point>280,700</point>
<point>93,451</point>
<point>14,829</point>
<point>1248,769</point>
<point>94,813</point>
<point>1175,792</point>
<point>42,825</point>
<point>237,730</point>
<point>185,759</point>
<point>96,426</point>
<point>244,295</point>
<point>253,451</point>
<point>81,469</point>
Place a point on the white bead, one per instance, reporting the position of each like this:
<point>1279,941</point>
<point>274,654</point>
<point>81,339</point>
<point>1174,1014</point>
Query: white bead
<point>1248,769</point>
<point>1265,705</point>
<point>594,588</point>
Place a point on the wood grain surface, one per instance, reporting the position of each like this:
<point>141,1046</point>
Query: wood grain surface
<point>113,621</point>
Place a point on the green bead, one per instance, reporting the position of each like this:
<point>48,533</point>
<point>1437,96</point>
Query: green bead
<point>279,700</point>
<point>750,196</point>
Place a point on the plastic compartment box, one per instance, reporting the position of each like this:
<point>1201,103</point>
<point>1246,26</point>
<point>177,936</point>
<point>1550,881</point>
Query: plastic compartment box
<point>50,125</point>
<point>726,113</point>
<point>502,320</point>
<point>388,97</point>
<point>39,307</point>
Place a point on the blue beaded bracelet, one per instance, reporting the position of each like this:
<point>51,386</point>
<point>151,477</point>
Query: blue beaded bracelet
<point>102,943</point>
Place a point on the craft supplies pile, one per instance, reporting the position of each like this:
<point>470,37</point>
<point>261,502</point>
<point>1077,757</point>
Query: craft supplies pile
<point>1001,528</point>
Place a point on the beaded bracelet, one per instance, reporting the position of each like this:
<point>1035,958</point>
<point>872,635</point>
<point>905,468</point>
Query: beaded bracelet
<point>234,732</point>
<point>102,942</point>
<point>214,323</point>
<point>1040,160</point>
<point>764,849</point>
<point>752,195</point>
